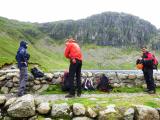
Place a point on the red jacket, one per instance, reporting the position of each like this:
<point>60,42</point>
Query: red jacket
<point>72,50</point>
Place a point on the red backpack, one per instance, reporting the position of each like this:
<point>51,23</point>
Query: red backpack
<point>155,62</point>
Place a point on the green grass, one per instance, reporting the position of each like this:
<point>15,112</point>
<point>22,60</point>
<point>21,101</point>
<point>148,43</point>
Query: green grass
<point>119,101</point>
<point>103,101</point>
<point>56,89</point>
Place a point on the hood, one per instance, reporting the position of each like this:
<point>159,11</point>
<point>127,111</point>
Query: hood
<point>23,44</point>
<point>69,41</point>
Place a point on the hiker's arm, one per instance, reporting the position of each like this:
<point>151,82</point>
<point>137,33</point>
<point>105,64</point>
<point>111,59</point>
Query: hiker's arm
<point>67,51</point>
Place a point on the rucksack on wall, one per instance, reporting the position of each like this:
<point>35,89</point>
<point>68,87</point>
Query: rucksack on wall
<point>88,84</point>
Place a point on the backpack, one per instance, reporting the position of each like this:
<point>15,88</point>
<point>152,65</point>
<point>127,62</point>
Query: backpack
<point>155,62</point>
<point>104,84</point>
<point>65,85</point>
<point>88,84</point>
<point>37,73</point>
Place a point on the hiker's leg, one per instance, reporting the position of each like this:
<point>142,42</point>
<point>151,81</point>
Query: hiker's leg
<point>78,77</point>
<point>72,71</point>
<point>23,80</point>
<point>151,80</point>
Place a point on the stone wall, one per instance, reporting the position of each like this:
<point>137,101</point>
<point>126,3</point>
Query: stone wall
<point>9,79</point>
<point>27,108</point>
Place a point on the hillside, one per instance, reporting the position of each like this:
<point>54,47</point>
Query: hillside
<point>118,32</point>
<point>108,28</point>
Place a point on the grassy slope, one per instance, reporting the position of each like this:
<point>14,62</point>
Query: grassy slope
<point>49,55</point>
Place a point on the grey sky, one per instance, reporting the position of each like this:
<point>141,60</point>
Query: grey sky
<point>54,10</point>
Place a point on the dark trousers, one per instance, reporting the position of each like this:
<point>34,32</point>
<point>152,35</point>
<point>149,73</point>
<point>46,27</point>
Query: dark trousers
<point>148,76</point>
<point>75,69</point>
<point>23,80</point>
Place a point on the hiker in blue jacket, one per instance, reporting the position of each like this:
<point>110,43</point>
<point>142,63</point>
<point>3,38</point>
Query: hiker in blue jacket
<point>22,58</point>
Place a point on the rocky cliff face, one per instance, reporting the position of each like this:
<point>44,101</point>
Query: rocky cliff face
<point>109,28</point>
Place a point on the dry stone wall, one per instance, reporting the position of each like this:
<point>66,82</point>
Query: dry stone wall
<point>9,79</point>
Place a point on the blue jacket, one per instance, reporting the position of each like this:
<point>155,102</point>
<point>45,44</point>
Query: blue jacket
<point>22,56</point>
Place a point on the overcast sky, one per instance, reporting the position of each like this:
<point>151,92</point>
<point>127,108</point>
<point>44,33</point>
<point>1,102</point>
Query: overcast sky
<point>54,10</point>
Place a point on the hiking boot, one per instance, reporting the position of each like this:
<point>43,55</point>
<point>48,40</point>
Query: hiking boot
<point>146,90</point>
<point>151,91</point>
<point>69,96</point>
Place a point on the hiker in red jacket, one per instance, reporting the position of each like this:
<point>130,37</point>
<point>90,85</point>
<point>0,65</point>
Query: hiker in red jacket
<point>147,60</point>
<point>73,53</point>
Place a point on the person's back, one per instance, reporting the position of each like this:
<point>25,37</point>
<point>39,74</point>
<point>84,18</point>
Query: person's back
<point>73,50</point>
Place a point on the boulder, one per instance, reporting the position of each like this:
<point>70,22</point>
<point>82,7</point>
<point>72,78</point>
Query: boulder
<point>89,74</point>
<point>56,80</point>
<point>2,99</point>
<point>2,78</point>
<point>44,82</point>
<point>22,107</point>
<point>14,89</point>
<point>60,110</point>
<point>15,79</point>
<point>82,118</point>
<point>10,101</point>
<point>116,85</point>
<point>37,82</point>
<point>132,76</point>
<point>43,108</point>
<point>56,74</point>
<point>140,76</point>
<point>33,118</point>
<point>91,113</point>
<point>43,88</point>
<point>78,109</point>
<point>9,84</point>
<point>47,119</point>
<point>129,114</point>
<point>146,113</point>
<point>158,77</point>
<point>7,118</point>
<point>122,76</point>
<point>109,114</point>
<point>5,90</point>
<point>36,87</point>
<point>11,75</point>
<point>48,76</point>
<point>1,117</point>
